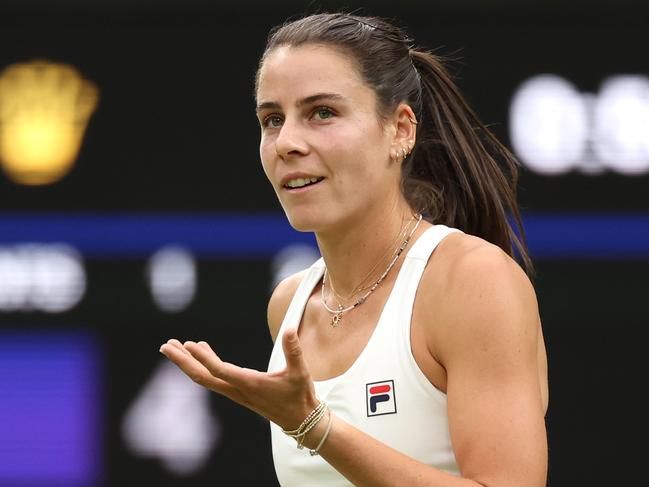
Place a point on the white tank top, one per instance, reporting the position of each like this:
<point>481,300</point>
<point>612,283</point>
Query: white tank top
<point>384,393</point>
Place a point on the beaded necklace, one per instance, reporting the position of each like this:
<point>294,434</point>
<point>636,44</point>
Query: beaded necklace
<point>362,287</point>
<point>337,314</point>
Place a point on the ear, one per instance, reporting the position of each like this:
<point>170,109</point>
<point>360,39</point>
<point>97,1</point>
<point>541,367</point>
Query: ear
<point>404,125</point>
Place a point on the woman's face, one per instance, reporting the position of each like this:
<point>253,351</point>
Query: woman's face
<point>323,147</point>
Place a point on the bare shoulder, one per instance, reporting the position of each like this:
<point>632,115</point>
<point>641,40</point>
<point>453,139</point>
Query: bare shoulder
<point>281,299</point>
<point>480,293</point>
<point>472,261</point>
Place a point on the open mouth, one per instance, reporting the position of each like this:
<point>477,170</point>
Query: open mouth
<point>302,182</point>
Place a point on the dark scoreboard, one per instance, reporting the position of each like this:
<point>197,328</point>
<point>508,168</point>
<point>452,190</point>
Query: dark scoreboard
<point>166,227</point>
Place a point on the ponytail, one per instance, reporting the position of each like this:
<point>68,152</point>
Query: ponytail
<point>453,176</point>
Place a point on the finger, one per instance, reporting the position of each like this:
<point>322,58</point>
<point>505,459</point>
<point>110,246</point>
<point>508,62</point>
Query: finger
<point>197,372</point>
<point>295,362</point>
<point>184,360</point>
<point>231,373</point>
<point>176,343</point>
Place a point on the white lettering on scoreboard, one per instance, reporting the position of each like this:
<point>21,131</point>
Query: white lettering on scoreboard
<point>555,129</point>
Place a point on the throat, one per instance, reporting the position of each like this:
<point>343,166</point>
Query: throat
<point>363,287</point>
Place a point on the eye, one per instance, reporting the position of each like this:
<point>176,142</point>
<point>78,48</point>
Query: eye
<point>323,113</point>
<point>272,121</point>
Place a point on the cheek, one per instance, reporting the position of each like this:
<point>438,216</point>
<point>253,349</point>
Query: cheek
<point>367,141</point>
<point>362,157</point>
<point>346,146</point>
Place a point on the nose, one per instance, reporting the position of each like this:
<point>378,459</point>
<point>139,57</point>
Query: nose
<point>290,140</point>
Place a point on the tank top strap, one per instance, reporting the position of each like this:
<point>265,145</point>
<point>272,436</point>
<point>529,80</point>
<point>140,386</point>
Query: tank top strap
<point>295,310</point>
<point>428,241</point>
<point>405,288</point>
<point>301,296</point>
<point>400,309</point>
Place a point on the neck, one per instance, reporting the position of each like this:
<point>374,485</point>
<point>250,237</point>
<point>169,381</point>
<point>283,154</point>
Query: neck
<point>351,253</point>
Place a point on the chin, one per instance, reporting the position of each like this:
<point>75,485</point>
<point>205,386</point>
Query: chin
<point>306,221</point>
<point>302,224</point>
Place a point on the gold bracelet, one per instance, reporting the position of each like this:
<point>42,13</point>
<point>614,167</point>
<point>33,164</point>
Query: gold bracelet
<point>308,424</point>
<point>316,419</point>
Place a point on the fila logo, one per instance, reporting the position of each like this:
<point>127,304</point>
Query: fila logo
<point>381,398</point>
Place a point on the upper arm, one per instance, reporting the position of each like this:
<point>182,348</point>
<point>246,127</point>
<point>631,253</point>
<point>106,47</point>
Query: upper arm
<point>489,344</point>
<point>280,301</point>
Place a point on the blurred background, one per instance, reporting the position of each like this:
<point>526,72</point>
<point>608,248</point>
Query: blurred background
<point>133,209</point>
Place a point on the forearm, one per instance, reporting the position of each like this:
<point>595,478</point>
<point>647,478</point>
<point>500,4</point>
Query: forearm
<point>365,461</point>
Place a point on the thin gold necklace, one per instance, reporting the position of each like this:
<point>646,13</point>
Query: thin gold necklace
<point>360,287</point>
<point>337,314</point>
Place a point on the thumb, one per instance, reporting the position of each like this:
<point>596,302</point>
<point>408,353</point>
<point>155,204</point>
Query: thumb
<point>293,351</point>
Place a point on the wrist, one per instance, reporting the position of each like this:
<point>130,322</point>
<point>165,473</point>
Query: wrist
<point>313,431</point>
<point>298,414</point>
<point>309,422</point>
<point>313,437</point>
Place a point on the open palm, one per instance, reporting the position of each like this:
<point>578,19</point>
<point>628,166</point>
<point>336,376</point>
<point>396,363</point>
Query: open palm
<point>284,397</point>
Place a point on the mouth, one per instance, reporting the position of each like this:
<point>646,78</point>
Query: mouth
<point>301,183</point>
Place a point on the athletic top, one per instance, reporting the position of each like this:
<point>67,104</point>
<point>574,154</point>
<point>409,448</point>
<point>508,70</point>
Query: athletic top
<point>384,393</point>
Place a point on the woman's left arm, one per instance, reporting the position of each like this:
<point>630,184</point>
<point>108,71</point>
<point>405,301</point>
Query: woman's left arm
<point>490,343</point>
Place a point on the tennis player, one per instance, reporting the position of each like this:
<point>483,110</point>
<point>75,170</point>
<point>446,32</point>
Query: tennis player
<point>411,354</point>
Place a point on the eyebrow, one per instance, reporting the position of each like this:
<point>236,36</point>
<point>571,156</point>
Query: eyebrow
<point>304,101</point>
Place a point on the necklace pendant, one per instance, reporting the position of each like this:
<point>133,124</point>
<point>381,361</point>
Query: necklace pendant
<point>337,317</point>
<point>335,320</point>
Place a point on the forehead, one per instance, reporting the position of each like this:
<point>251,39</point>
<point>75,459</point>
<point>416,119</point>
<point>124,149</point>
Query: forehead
<point>296,72</point>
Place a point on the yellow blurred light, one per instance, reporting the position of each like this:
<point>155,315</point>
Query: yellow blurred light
<point>44,111</point>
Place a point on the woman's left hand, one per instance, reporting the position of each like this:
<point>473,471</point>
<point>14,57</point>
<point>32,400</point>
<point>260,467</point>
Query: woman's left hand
<point>285,397</point>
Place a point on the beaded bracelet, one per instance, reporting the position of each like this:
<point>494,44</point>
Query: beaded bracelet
<point>316,419</point>
<point>309,422</point>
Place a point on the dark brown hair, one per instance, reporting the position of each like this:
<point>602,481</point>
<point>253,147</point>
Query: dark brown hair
<point>459,174</point>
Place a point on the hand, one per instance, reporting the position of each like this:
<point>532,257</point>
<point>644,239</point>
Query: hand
<point>285,397</point>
